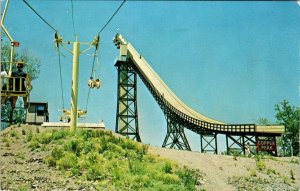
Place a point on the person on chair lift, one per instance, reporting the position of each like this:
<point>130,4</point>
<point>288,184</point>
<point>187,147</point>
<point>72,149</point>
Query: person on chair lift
<point>20,84</point>
<point>94,83</point>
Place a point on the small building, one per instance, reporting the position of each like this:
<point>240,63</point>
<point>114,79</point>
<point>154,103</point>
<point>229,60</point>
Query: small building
<point>37,113</point>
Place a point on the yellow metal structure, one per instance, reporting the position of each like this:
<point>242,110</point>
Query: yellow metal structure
<point>74,113</point>
<point>74,96</point>
<point>10,38</point>
<point>14,86</point>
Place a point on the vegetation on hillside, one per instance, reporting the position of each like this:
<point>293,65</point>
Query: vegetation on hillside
<point>289,116</point>
<point>111,163</point>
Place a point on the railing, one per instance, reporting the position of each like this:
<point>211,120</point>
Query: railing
<point>190,122</point>
<point>14,85</point>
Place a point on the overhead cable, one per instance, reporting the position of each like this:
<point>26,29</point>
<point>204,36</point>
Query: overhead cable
<point>111,17</point>
<point>39,15</point>
<point>73,18</point>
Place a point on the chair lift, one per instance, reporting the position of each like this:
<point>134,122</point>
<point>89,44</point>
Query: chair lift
<point>15,84</point>
<point>66,117</point>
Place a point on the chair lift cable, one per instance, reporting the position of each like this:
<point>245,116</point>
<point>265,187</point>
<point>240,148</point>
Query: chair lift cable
<point>92,71</point>
<point>111,17</point>
<point>73,18</point>
<point>39,15</point>
<point>57,42</point>
<point>96,50</point>
<point>61,83</point>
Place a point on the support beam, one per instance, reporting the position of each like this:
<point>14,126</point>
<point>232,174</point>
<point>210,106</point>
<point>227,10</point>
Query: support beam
<point>74,96</point>
<point>235,144</point>
<point>175,137</point>
<point>127,112</point>
<point>209,143</point>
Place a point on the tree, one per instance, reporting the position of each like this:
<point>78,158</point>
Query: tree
<point>32,62</point>
<point>289,116</point>
<point>264,121</point>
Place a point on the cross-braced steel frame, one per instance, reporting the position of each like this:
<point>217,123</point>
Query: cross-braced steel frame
<point>209,143</point>
<point>175,137</point>
<point>127,108</point>
<point>236,144</point>
<point>127,112</point>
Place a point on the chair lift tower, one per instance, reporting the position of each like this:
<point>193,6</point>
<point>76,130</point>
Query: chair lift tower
<point>75,69</point>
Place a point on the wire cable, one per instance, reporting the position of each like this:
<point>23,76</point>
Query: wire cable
<point>111,17</point>
<point>73,17</point>
<point>88,95</point>
<point>39,15</point>
<point>61,83</point>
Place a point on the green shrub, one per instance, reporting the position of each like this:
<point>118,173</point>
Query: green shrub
<point>21,155</point>
<point>114,163</point>
<point>57,153</point>
<point>252,172</point>
<point>167,167</point>
<point>292,174</point>
<point>188,177</point>
<point>136,167</point>
<point>14,133</point>
<point>286,180</point>
<point>45,138</point>
<point>34,144</point>
<point>74,145</point>
<point>260,165</point>
<point>68,161</point>
<point>29,136</point>
<point>171,179</point>
<point>95,172</point>
<point>5,140</point>
<point>60,134</point>
<point>294,161</point>
<point>50,161</point>
<point>129,144</point>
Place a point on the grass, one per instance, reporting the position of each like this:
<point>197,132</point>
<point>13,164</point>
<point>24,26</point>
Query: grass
<point>260,165</point>
<point>294,161</point>
<point>111,163</point>
<point>252,172</point>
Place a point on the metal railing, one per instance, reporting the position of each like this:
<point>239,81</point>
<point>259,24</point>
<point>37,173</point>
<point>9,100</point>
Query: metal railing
<point>14,85</point>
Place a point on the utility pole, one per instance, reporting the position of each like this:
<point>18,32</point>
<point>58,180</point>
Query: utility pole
<point>75,70</point>
<point>74,93</point>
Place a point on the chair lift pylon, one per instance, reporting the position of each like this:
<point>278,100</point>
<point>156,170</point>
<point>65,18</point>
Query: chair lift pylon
<point>13,85</point>
<point>72,114</point>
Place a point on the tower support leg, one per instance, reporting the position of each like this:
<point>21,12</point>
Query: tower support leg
<point>127,112</point>
<point>209,143</point>
<point>175,137</point>
<point>235,144</point>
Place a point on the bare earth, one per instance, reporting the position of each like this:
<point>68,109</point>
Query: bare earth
<point>20,168</point>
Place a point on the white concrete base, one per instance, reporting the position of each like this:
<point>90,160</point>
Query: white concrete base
<point>80,125</point>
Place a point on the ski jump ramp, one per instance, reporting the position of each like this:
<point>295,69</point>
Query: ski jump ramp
<point>172,105</point>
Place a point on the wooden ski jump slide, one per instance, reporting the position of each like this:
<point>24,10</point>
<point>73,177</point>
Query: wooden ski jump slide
<point>178,114</point>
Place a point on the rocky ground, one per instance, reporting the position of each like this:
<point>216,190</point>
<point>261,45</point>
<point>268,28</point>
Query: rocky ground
<point>23,168</point>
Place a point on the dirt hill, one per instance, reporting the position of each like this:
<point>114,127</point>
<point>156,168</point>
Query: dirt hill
<point>21,166</point>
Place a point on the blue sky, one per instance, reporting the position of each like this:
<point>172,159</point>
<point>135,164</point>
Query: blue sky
<point>231,61</point>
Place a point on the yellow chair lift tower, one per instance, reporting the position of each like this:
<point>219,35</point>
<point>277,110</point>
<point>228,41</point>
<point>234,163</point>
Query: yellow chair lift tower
<point>13,84</point>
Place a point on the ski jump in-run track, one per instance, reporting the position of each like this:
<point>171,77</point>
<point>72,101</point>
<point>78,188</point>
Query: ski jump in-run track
<point>177,113</point>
